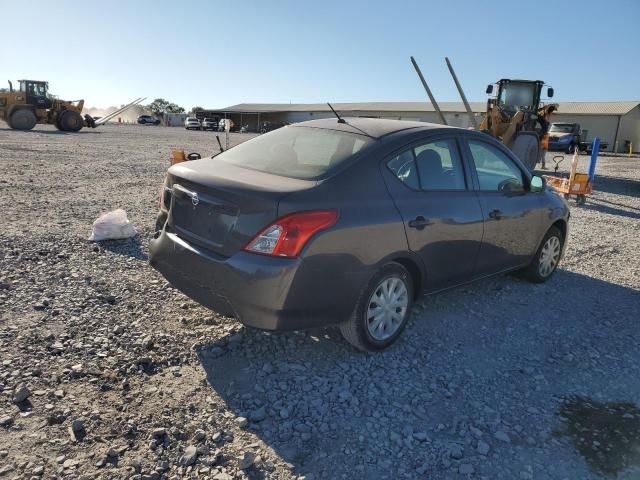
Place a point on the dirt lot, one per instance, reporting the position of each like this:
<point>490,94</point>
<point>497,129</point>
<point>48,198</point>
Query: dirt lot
<point>124,377</point>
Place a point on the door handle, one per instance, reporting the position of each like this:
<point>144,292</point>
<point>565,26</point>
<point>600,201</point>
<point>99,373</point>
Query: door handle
<point>420,222</point>
<point>495,214</point>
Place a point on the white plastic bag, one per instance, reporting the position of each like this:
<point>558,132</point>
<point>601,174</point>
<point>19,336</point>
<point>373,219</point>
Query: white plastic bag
<point>112,226</point>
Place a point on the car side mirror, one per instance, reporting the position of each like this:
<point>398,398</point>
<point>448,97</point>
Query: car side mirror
<point>550,92</point>
<point>536,184</point>
<point>489,89</point>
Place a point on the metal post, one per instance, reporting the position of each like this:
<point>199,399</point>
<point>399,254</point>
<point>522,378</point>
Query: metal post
<point>426,87</point>
<point>595,148</point>
<point>226,132</point>
<point>462,95</point>
<point>615,137</point>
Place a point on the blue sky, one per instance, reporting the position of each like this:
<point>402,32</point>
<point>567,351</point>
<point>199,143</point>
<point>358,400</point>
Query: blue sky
<point>216,54</point>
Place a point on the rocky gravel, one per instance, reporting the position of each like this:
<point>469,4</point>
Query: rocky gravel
<point>106,371</point>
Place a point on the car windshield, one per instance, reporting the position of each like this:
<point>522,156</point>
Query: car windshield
<point>298,152</point>
<point>561,128</point>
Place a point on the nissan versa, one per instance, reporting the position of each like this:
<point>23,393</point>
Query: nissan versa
<point>347,222</point>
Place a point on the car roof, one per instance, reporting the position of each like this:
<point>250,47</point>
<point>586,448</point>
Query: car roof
<point>372,127</point>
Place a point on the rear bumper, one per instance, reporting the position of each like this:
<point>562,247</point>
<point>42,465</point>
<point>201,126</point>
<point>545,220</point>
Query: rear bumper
<point>262,292</point>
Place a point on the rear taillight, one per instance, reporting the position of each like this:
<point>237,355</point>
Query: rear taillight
<point>286,236</point>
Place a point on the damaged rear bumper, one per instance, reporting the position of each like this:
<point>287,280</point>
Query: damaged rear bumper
<point>262,292</point>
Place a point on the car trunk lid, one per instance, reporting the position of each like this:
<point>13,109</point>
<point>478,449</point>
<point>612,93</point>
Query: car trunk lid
<point>221,207</point>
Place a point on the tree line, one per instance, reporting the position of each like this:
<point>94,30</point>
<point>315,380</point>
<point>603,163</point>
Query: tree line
<point>160,106</point>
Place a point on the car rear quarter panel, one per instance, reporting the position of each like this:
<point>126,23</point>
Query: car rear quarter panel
<point>338,262</point>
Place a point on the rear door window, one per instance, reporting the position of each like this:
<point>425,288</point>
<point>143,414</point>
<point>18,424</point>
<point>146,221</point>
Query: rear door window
<point>404,167</point>
<point>431,166</point>
<point>439,166</point>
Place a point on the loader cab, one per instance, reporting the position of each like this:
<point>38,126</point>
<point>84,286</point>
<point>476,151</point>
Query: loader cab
<point>36,93</point>
<point>515,95</point>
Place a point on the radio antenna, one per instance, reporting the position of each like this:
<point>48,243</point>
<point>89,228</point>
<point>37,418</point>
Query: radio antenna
<point>340,120</point>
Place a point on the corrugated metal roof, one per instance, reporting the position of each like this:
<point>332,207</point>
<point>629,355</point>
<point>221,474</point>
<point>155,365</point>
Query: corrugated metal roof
<point>580,108</point>
<point>598,108</point>
<point>353,107</point>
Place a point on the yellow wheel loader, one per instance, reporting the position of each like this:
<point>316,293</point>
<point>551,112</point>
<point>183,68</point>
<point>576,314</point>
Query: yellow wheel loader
<point>31,104</point>
<point>517,118</point>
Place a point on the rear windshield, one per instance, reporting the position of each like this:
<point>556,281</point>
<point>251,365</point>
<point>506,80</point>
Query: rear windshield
<point>297,152</point>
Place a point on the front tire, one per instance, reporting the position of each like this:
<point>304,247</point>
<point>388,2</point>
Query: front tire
<point>22,119</point>
<point>547,257</point>
<point>382,310</point>
<point>71,121</point>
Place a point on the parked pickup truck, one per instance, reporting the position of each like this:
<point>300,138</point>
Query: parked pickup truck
<point>586,147</point>
<point>564,137</point>
<point>567,137</point>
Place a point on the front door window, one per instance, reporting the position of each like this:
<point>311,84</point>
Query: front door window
<point>496,172</point>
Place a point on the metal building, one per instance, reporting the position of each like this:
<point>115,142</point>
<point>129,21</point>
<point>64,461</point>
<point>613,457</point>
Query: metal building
<point>614,122</point>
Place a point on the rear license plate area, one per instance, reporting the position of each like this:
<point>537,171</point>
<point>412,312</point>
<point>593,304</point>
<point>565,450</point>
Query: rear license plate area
<point>200,216</point>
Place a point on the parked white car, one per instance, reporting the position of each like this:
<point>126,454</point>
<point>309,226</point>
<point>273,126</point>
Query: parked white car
<point>209,124</point>
<point>192,123</point>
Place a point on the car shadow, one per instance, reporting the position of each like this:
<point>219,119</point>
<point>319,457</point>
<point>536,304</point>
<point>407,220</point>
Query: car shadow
<point>315,401</point>
<point>611,208</point>
<point>617,185</point>
<point>130,247</point>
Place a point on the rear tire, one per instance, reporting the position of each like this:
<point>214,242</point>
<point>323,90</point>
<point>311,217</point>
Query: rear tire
<point>390,294</point>
<point>547,257</point>
<point>71,121</point>
<point>22,119</point>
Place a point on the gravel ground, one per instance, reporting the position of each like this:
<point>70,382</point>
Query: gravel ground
<point>108,372</point>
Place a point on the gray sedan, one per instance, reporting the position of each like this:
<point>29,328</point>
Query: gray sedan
<point>347,223</point>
